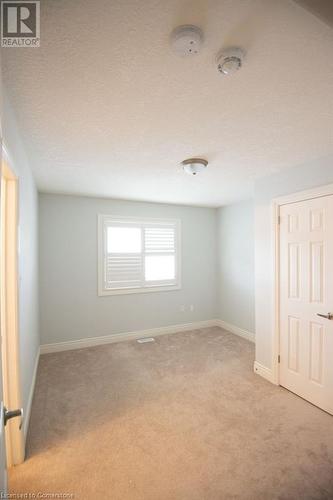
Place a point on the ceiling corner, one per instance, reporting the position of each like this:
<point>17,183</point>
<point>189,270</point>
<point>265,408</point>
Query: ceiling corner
<point>323,9</point>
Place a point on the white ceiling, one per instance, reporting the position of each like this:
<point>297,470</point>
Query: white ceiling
<point>107,109</point>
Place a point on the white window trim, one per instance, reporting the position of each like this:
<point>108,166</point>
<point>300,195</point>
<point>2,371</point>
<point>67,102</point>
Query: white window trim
<point>102,220</point>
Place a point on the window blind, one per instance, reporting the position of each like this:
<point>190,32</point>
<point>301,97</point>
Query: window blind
<point>139,254</point>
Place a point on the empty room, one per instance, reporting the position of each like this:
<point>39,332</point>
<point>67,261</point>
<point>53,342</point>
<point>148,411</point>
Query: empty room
<point>166,225</point>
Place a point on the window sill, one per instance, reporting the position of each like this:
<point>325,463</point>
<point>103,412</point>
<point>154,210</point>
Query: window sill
<point>129,291</point>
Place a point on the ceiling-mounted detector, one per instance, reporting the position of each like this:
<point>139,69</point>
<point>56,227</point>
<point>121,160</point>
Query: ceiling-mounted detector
<point>193,166</point>
<point>186,40</point>
<point>230,60</point>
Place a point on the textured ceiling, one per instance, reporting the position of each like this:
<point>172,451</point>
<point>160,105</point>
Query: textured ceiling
<point>107,109</point>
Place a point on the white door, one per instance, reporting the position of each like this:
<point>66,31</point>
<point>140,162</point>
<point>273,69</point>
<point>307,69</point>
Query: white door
<point>306,300</point>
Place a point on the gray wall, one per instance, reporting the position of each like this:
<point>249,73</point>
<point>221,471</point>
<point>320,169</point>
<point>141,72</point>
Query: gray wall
<point>235,227</point>
<point>310,175</point>
<point>28,255</point>
<point>70,308</point>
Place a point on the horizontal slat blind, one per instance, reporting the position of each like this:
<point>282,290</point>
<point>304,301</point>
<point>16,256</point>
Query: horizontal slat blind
<point>160,239</point>
<point>123,270</point>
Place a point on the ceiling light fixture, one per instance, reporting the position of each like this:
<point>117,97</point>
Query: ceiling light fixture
<point>186,40</point>
<point>193,166</point>
<point>229,60</point>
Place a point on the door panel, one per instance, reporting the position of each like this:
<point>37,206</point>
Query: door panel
<point>293,344</point>
<point>306,289</point>
<point>316,271</point>
<point>316,352</point>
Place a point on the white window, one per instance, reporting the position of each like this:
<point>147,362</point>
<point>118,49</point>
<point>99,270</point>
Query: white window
<point>138,255</point>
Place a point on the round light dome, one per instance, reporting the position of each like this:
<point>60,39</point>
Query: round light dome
<point>193,166</point>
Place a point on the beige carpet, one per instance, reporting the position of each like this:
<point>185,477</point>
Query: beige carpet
<point>184,418</point>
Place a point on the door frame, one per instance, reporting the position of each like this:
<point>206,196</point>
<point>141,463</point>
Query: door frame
<point>310,194</point>
<point>15,441</point>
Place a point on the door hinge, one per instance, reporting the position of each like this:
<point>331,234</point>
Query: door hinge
<point>279,219</point>
<point>279,358</point>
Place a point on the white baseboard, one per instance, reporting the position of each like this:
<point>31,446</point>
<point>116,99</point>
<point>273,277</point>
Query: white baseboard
<point>151,332</point>
<point>30,398</point>
<point>119,337</point>
<point>264,372</point>
<point>236,330</point>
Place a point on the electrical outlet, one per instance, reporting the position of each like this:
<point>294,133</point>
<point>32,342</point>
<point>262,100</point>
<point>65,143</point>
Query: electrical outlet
<point>191,307</point>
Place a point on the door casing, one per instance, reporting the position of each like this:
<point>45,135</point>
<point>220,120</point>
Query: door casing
<point>15,441</point>
<point>310,194</point>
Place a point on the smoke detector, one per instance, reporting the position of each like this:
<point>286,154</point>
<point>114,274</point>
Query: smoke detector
<point>186,40</point>
<point>193,166</point>
<point>230,60</point>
